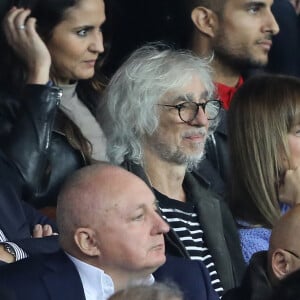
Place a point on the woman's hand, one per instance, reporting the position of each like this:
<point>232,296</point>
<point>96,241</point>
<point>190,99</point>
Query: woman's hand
<point>21,35</point>
<point>289,190</point>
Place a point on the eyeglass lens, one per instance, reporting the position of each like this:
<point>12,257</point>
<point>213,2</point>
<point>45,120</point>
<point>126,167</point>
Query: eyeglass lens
<point>189,110</point>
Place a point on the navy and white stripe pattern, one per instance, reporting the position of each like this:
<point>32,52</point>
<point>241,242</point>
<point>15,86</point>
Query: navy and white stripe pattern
<point>183,219</point>
<point>20,253</point>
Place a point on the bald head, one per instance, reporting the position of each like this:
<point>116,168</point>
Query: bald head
<point>103,214</point>
<point>283,255</point>
<point>88,194</point>
<point>284,233</point>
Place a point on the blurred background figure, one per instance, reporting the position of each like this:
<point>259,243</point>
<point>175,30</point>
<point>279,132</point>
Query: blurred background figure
<point>157,291</point>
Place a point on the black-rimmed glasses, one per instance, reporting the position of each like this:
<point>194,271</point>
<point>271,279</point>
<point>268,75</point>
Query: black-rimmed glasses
<point>293,253</point>
<point>188,110</point>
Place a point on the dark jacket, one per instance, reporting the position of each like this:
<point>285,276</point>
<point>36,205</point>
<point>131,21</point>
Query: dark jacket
<point>215,165</point>
<point>218,226</point>
<point>18,218</point>
<point>44,277</point>
<point>190,276</point>
<point>32,140</point>
<point>255,284</point>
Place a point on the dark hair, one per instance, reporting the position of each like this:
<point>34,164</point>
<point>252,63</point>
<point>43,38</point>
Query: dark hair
<point>49,13</point>
<point>13,75</point>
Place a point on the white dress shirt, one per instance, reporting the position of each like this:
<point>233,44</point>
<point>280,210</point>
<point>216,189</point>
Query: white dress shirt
<point>96,284</point>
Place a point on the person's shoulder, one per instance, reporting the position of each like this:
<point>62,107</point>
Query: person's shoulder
<point>190,275</point>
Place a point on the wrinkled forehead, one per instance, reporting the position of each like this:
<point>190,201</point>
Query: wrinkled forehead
<point>193,90</point>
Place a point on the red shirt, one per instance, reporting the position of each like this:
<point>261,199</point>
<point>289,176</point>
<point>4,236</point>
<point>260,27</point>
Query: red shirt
<point>226,93</point>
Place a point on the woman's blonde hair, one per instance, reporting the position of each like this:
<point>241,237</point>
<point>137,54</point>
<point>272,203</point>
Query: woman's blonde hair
<point>261,115</point>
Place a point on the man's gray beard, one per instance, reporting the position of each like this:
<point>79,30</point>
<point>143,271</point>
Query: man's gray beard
<point>178,157</point>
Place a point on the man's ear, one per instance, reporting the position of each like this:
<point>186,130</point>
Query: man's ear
<point>281,263</point>
<point>86,241</point>
<point>205,20</point>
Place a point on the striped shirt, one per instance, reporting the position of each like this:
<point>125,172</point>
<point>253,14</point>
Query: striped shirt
<point>20,253</point>
<point>183,219</point>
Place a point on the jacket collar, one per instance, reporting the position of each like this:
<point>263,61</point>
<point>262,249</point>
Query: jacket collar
<point>61,278</point>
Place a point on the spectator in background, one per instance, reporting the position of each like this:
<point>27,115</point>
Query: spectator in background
<point>111,236</point>
<point>284,55</point>
<point>267,271</point>
<point>49,88</point>
<point>263,126</point>
<point>237,35</point>
<point>157,113</point>
<point>157,291</point>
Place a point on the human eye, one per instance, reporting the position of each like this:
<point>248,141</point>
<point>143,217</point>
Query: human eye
<point>295,130</point>
<point>82,32</point>
<point>138,216</point>
<point>184,105</point>
<point>254,8</point>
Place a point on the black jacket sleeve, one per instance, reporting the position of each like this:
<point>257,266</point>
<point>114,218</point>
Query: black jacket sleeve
<point>26,130</point>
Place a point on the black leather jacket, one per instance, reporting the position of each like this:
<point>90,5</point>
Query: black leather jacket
<point>33,142</point>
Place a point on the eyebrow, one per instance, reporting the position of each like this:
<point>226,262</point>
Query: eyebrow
<point>255,3</point>
<point>191,97</point>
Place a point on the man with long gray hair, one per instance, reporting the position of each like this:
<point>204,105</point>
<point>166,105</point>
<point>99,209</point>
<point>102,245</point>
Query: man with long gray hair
<point>157,113</point>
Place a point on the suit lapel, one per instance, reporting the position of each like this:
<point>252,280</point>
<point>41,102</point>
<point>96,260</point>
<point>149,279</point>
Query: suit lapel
<point>211,221</point>
<point>62,279</point>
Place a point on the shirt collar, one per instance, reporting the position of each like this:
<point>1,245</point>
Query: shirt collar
<point>226,93</point>
<point>96,284</point>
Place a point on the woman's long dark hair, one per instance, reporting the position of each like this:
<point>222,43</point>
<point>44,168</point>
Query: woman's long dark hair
<point>49,13</point>
<point>13,71</point>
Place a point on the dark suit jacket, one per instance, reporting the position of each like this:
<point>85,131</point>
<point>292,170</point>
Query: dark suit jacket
<point>55,277</point>
<point>190,276</point>
<point>43,277</point>
<point>18,218</point>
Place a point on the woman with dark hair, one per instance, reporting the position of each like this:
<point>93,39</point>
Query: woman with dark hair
<point>49,88</point>
<point>264,141</point>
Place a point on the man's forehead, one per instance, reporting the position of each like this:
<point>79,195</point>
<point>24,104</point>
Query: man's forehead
<point>123,204</point>
<point>247,2</point>
<point>181,95</point>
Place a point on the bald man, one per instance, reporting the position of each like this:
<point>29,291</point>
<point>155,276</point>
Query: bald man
<point>284,251</point>
<point>266,269</point>
<point>111,236</point>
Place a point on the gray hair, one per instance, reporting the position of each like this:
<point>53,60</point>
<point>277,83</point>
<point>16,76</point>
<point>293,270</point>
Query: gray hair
<point>129,110</point>
<point>157,291</point>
